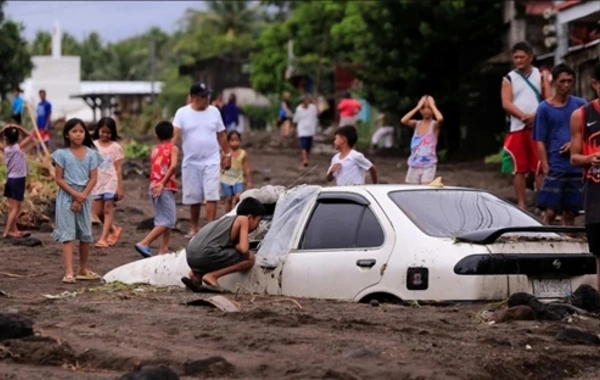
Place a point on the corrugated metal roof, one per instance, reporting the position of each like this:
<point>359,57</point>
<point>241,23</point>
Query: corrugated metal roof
<point>118,87</point>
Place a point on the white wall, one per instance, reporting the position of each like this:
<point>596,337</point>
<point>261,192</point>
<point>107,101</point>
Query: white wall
<point>60,77</point>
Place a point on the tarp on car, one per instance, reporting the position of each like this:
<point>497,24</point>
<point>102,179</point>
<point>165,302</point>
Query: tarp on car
<point>278,240</point>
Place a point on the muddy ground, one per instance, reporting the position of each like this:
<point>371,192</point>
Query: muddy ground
<point>101,334</point>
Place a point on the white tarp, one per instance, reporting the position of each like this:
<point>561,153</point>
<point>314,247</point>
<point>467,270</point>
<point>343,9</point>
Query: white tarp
<point>278,240</point>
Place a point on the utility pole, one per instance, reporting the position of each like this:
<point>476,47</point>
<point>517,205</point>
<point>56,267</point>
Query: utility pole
<point>152,68</point>
<point>562,38</point>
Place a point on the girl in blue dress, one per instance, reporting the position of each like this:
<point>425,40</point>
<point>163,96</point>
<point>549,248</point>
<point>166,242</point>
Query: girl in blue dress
<point>76,175</point>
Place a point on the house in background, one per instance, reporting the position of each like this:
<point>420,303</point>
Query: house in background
<point>60,77</point>
<point>580,21</point>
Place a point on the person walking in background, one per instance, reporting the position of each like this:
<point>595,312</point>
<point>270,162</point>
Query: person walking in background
<point>201,129</point>
<point>231,114</point>
<point>585,153</point>
<point>384,132</point>
<point>17,107</point>
<point>522,91</point>
<point>561,192</point>
<point>218,103</point>
<point>348,109</point>
<point>109,187</point>
<point>232,180</point>
<point>164,158</point>
<point>306,119</point>
<point>422,163</point>
<point>44,118</point>
<point>285,115</point>
<point>76,175</point>
<point>16,175</point>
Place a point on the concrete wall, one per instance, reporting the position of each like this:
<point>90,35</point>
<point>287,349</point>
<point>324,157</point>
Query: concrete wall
<point>60,77</point>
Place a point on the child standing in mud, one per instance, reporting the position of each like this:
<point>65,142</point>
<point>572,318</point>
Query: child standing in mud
<point>109,187</point>
<point>76,175</point>
<point>16,175</point>
<point>422,162</point>
<point>163,187</point>
<point>222,247</point>
<point>232,180</point>
<point>348,167</point>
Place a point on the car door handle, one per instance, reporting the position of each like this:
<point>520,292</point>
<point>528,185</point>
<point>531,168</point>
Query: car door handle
<point>366,263</point>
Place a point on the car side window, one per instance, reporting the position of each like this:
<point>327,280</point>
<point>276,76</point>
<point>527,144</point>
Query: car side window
<point>339,225</point>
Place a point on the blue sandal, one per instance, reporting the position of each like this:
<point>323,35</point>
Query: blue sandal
<point>144,251</point>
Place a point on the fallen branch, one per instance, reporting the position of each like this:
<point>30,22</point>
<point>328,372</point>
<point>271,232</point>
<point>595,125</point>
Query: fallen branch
<point>290,300</point>
<point>12,275</point>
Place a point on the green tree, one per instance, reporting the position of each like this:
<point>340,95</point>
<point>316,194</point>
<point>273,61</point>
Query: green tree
<point>407,48</point>
<point>15,64</point>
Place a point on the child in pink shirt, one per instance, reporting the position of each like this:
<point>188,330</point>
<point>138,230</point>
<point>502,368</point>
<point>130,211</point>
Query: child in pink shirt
<point>109,187</point>
<point>348,108</point>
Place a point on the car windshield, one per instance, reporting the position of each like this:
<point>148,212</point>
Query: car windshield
<point>449,213</point>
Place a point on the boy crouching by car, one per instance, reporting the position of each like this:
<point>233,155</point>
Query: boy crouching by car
<point>222,247</point>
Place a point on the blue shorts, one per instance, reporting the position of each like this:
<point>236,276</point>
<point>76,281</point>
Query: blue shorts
<point>561,192</point>
<point>229,191</point>
<point>15,188</point>
<point>306,143</point>
<point>105,197</point>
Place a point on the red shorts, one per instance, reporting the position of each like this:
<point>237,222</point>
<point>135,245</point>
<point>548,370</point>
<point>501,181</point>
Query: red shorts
<point>522,149</point>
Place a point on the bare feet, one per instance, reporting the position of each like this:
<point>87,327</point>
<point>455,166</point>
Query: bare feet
<point>210,280</point>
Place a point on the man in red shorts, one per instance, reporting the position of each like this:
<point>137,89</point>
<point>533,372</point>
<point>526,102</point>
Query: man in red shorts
<point>522,91</point>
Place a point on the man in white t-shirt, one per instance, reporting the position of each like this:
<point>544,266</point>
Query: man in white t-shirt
<point>522,91</point>
<point>201,129</point>
<point>306,119</point>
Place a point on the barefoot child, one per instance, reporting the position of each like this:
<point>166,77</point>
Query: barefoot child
<point>16,174</point>
<point>232,180</point>
<point>76,175</point>
<point>348,167</point>
<point>163,187</point>
<point>223,247</point>
<point>423,157</point>
<point>109,187</point>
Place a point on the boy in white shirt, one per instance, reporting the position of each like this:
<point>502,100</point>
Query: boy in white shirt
<point>306,119</point>
<point>348,167</point>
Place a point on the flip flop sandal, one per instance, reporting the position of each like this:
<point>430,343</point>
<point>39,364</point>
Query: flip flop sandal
<point>144,251</point>
<point>23,234</point>
<point>191,284</point>
<point>189,235</point>
<point>69,280</point>
<point>90,276</point>
<point>114,237</point>
<point>207,288</point>
<point>101,244</point>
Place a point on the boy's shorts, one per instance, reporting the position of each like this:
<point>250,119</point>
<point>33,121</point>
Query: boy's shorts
<point>229,191</point>
<point>165,212</point>
<point>592,232</point>
<point>105,197</point>
<point>15,188</point>
<point>561,192</point>
<point>306,143</point>
<point>420,176</point>
<point>520,153</point>
<point>17,118</point>
<point>213,259</point>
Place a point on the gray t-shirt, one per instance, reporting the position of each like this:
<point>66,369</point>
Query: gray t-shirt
<point>16,162</point>
<point>212,237</point>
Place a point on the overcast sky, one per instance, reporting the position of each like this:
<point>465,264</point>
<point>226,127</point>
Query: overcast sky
<point>114,20</point>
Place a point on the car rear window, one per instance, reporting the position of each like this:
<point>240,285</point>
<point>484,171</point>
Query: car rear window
<point>449,213</point>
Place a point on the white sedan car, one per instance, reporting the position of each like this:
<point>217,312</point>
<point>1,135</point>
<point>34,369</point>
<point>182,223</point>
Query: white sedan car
<point>399,241</point>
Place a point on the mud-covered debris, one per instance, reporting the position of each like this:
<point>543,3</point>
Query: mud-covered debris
<point>46,228</point>
<point>219,302</point>
<point>215,366</point>
<point>541,311</point>
<point>151,373</point>
<point>39,350</point>
<point>515,313</point>
<point>15,326</point>
<point>577,336</point>
<point>23,242</point>
<point>374,303</point>
<point>586,298</point>
<point>146,225</point>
